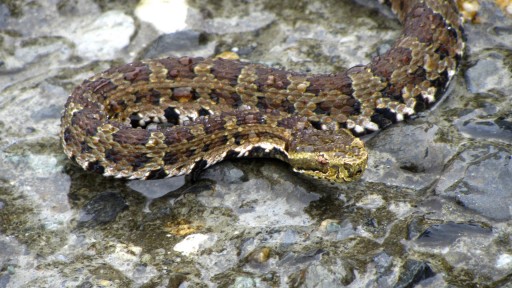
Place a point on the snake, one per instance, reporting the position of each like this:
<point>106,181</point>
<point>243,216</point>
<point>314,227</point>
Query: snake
<point>161,118</point>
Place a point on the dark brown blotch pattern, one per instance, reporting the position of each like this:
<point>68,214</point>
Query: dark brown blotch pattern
<point>213,107</point>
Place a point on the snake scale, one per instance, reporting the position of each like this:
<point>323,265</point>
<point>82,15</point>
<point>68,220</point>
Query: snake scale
<point>166,117</point>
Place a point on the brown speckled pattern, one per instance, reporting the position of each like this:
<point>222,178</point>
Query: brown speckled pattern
<point>167,117</point>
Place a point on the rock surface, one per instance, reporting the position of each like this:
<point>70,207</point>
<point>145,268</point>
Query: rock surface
<point>433,209</point>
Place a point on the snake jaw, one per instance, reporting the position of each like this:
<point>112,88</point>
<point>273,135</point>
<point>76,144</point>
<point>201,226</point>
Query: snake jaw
<point>331,166</point>
<point>333,155</point>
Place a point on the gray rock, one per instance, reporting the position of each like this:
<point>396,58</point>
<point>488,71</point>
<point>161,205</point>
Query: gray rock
<point>408,156</point>
<point>101,209</point>
<point>152,189</point>
<point>413,273</point>
<point>489,73</point>
<point>445,234</point>
<point>178,43</point>
<point>480,178</point>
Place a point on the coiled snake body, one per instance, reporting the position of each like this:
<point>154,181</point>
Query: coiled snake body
<point>167,117</point>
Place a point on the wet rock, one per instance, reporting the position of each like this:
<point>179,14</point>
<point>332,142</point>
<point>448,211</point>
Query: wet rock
<point>4,15</point>
<point>4,279</point>
<point>174,44</point>
<point>445,234</point>
<point>85,284</point>
<point>318,273</point>
<point>259,202</point>
<point>413,272</point>
<point>11,257</point>
<point>383,262</point>
<point>489,73</point>
<point>486,123</point>
<point>176,280</point>
<point>488,115</point>
<point>52,111</point>
<point>125,260</point>
<point>483,77</point>
<point>101,209</point>
<point>152,189</point>
<point>301,258</point>
<point>225,172</point>
<point>224,25</point>
<point>467,180</point>
<point>407,156</point>
<point>38,50</point>
<point>247,282</point>
<point>113,27</point>
<point>327,275</point>
<point>492,31</point>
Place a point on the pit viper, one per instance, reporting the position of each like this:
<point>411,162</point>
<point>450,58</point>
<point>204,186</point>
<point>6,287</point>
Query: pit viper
<point>173,116</point>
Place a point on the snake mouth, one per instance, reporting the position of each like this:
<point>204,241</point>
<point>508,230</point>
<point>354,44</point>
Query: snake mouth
<point>350,171</point>
<point>344,161</point>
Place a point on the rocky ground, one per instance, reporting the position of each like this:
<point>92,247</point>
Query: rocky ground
<point>434,208</point>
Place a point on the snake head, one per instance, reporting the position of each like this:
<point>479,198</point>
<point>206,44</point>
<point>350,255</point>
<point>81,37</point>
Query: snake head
<point>329,155</point>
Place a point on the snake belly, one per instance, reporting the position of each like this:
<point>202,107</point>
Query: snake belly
<point>167,117</point>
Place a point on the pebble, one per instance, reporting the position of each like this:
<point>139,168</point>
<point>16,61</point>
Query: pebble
<point>112,27</point>
<point>167,16</point>
<point>195,243</point>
